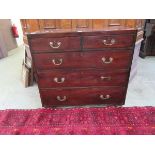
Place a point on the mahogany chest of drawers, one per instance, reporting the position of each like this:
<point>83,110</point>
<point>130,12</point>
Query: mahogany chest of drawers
<point>82,67</point>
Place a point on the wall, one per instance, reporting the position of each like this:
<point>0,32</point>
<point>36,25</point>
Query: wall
<point>3,50</point>
<point>6,35</point>
<point>19,28</point>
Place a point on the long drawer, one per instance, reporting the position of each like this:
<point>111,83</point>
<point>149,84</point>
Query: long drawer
<point>98,59</point>
<point>82,78</point>
<point>55,44</point>
<point>108,41</point>
<point>82,96</point>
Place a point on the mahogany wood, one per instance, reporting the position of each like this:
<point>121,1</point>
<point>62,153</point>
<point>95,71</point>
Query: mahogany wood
<point>82,78</point>
<point>82,96</point>
<point>121,60</point>
<point>93,42</point>
<point>82,71</point>
<point>66,43</point>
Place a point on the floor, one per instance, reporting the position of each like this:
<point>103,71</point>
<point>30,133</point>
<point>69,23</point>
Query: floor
<point>13,95</point>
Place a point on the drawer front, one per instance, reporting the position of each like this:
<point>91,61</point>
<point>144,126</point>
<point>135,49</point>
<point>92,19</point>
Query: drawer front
<point>82,78</point>
<point>55,44</point>
<point>108,59</point>
<point>110,41</point>
<point>82,96</point>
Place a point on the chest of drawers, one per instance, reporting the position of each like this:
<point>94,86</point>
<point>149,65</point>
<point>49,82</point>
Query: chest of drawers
<point>82,67</point>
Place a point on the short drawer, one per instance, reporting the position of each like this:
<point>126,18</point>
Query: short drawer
<point>103,60</point>
<point>82,78</point>
<point>109,41</point>
<point>82,96</point>
<point>55,44</point>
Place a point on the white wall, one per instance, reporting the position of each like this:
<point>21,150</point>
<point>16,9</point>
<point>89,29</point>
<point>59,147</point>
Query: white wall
<point>20,31</point>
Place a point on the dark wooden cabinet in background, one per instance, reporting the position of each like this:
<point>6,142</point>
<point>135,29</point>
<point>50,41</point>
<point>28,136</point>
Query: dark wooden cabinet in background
<point>82,66</point>
<point>148,44</point>
<point>31,25</point>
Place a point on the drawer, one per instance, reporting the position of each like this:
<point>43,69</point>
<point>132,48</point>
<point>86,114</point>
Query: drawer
<point>109,41</point>
<point>55,44</point>
<point>82,96</point>
<point>103,60</point>
<point>82,78</point>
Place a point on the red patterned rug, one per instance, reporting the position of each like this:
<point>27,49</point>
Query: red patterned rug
<point>79,121</point>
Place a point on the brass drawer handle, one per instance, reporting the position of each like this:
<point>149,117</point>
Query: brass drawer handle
<point>110,60</point>
<point>105,78</point>
<point>61,98</point>
<point>113,41</point>
<point>57,61</point>
<point>61,80</point>
<point>54,44</point>
<point>106,97</point>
